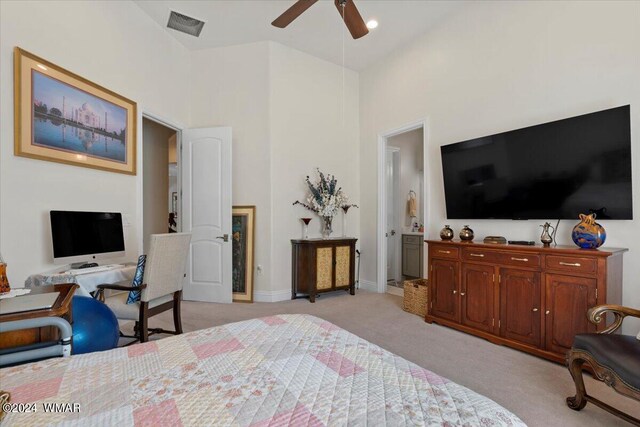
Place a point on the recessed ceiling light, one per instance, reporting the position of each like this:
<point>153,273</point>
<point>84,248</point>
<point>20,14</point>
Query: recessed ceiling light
<point>372,24</point>
<point>42,67</point>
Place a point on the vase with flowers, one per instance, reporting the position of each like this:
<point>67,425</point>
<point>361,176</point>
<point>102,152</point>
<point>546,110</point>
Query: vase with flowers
<point>325,198</point>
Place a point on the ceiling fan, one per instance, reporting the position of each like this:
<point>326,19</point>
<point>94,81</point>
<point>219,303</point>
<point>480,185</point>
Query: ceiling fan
<point>346,8</point>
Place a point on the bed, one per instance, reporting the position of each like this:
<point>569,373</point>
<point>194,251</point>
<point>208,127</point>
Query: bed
<point>272,371</point>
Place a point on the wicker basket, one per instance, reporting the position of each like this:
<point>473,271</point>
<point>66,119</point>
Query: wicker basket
<point>415,296</point>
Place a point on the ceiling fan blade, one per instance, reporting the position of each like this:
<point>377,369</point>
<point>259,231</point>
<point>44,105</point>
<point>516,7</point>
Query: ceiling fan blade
<point>292,13</point>
<point>352,19</point>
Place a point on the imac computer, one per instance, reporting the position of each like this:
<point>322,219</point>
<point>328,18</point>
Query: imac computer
<point>82,237</point>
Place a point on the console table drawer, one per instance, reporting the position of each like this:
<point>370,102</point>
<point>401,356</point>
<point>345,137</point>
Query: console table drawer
<point>444,252</point>
<point>501,258</point>
<point>566,263</point>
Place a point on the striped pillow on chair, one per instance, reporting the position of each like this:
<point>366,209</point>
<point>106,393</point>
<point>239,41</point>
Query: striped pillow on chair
<point>134,296</point>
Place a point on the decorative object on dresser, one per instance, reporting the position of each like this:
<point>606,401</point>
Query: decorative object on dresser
<point>545,237</point>
<point>466,234</point>
<point>495,240</point>
<point>588,234</point>
<point>244,223</point>
<point>325,198</point>
<point>62,117</point>
<point>4,280</point>
<point>446,233</point>
<point>530,298</point>
<point>614,359</point>
<point>412,259</point>
<point>322,265</point>
<point>415,296</point>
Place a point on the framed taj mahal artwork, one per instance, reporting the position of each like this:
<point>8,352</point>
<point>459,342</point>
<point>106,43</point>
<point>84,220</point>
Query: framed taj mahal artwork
<point>62,117</point>
<point>243,232</point>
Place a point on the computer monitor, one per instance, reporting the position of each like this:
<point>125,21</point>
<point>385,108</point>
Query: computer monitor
<point>80,237</point>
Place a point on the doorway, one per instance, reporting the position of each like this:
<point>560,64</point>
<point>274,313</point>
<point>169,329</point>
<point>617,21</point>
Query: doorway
<point>160,184</point>
<point>402,205</point>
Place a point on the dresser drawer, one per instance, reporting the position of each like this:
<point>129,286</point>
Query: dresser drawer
<point>569,263</point>
<point>444,251</point>
<point>411,239</point>
<point>501,258</point>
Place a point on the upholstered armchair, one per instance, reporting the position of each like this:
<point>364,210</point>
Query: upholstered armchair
<point>614,359</point>
<point>161,289</point>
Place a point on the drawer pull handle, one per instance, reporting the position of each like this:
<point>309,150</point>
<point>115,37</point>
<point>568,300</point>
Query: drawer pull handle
<point>462,293</point>
<point>535,309</point>
<point>478,255</point>
<point>519,259</point>
<point>570,264</point>
<point>455,292</point>
<point>547,312</point>
<point>445,252</point>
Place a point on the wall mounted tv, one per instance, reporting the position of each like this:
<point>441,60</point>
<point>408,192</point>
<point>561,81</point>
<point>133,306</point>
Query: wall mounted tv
<point>555,170</point>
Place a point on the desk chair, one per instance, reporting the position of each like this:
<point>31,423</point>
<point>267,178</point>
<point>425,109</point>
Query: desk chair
<point>614,358</point>
<point>161,290</point>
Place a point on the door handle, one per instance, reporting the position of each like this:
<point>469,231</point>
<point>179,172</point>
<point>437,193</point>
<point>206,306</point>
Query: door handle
<point>393,232</point>
<point>224,237</point>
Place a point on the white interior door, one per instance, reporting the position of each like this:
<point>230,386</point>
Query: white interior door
<point>206,213</point>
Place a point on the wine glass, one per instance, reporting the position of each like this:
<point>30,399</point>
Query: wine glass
<point>305,234</point>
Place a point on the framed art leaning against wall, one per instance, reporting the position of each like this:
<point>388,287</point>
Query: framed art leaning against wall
<point>243,229</point>
<point>62,117</point>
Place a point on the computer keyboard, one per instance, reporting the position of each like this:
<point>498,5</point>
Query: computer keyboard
<point>78,271</point>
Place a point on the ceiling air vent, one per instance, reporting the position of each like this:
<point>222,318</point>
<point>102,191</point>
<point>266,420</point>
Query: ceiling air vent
<point>184,23</point>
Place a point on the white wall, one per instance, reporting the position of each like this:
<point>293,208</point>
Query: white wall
<point>230,87</point>
<point>497,66</point>
<point>113,44</point>
<point>312,126</point>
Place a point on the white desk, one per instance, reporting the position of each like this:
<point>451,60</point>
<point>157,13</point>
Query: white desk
<point>88,282</point>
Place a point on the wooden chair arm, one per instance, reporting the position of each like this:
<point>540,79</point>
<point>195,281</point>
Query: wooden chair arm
<point>113,287</point>
<point>619,313</point>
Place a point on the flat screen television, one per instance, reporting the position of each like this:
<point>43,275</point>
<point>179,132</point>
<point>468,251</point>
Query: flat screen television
<point>82,236</point>
<point>555,170</point>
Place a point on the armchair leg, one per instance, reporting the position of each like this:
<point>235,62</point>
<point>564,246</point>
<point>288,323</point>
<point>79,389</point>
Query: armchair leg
<point>142,323</point>
<point>574,363</point>
<point>177,320</point>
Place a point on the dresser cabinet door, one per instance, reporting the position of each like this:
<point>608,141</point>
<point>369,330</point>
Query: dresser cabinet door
<point>477,296</point>
<point>520,306</point>
<point>324,268</point>
<point>567,300</point>
<point>343,266</point>
<point>444,289</point>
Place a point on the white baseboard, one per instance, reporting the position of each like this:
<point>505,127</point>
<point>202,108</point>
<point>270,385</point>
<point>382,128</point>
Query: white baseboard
<point>271,296</point>
<point>368,286</point>
<point>393,290</point>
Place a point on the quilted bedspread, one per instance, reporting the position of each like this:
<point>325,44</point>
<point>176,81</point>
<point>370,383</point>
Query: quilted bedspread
<point>274,371</point>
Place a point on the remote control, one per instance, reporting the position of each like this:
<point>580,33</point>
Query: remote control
<point>522,242</point>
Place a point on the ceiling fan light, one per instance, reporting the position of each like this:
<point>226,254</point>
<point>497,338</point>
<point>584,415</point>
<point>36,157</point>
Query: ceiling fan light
<point>371,24</point>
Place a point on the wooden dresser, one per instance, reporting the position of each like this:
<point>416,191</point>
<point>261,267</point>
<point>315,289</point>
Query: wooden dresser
<point>322,265</point>
<point>531,298</point>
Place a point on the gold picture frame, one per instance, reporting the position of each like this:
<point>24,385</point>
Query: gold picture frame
<point>62,117</point>
<point>242,241</point>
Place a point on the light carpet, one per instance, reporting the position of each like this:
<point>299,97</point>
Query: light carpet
<point>533,388</point>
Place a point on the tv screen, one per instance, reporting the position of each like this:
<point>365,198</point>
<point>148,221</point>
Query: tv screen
<point>77,234</point>
<point>555,170</point>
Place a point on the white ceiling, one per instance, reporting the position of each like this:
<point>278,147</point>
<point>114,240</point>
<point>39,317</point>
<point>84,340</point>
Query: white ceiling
<point>318,31</point>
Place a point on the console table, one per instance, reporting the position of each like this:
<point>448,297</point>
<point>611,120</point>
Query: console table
<point>531,298</point>
<point>322,265</point>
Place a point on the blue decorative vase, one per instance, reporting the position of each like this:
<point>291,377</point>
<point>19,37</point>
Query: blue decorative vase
<point>588,234</point>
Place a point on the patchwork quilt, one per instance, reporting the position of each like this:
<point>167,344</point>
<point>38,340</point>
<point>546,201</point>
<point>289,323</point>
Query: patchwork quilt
<point>275,371</point>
